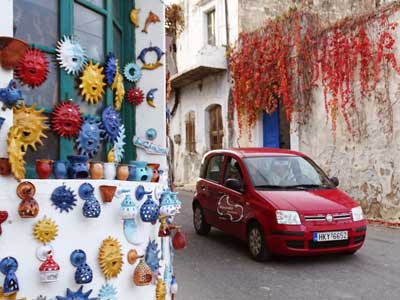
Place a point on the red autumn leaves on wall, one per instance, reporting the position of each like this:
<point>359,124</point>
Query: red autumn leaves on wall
<point>290,55</point>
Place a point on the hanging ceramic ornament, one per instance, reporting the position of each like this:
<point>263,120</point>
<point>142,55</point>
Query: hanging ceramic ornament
<point>70,55</point>
<point>173,288</point>
<point>118,88</point>
<point>28,208</point>
<point>110,258</point>
<point>108,292</point>
<point>89,138</point>
<point>134,16</point>
<point>33,68</point>
<point>135,96</point>
<point>31,123</point>
<point>91,208</point>
<point>111,123</point>
<point>128,213</point>
<point>179,240</point>
<point>119,144</point>
<point>132,72</point>
<point>3,218</point>
<point>83,273</point>
<point>161,290</point>
<point>110,68</point>
<point>66,119</point>
<point>63,198</point>
<point>92,85</point>
<point>8,266</point>
<point>151,18</point>
<point>49,269</point>
<point>151,66</point>
<point>151,134</point>
<point>78,295</point>
<point>149,211</point>
<point>45,230</point>
<point>15,152</point>
<point>152,257</point>
<point>10,95</point>
<point>142,275</point>
<point>169,204</point>
<point>150,97</point>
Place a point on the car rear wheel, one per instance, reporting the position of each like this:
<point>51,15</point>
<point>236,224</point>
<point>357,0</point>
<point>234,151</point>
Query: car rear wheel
<point>256,242</point>
<point>199,222</point>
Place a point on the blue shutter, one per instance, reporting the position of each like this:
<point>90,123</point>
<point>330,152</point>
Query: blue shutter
<point>271,130</point>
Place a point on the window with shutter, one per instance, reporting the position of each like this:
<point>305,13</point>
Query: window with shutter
<point>190,132</point>
<point>216,127</point>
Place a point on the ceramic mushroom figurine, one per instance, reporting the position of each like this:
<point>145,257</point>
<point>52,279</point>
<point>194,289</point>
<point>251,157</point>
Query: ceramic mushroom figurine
<point>28,208</point>
<point>49,269</point>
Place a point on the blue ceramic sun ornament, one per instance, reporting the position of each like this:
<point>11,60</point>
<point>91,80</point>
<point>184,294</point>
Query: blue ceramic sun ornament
<point>108,292</point>
<point>111,123</point>
<point>83,273</point>
<point>111,68</point>
<point>63,198</point>
<point>132,72</point>
<point>78,295</point>
<point>89,138</point>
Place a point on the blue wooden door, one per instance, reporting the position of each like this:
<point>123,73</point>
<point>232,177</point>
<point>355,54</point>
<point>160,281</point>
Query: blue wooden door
<point>271,130</point>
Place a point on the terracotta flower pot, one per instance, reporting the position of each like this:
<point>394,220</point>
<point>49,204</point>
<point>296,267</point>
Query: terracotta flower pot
<point>107,192</point>
<point>122,172</point>
<point>44,168</point>
<point>156,176</point>
<point>5,167</point>
<point>96,170</point>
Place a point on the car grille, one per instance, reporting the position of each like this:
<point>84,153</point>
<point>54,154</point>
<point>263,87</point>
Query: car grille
<point>295,244</point>
<point>330,244</point>
<point>322,217</point>
<point>359,239</point>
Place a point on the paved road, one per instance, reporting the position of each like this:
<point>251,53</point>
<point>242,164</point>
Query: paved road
<point>217,267</point>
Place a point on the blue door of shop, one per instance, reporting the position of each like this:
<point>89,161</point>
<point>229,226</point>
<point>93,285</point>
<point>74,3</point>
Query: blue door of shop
<point>271,130</point>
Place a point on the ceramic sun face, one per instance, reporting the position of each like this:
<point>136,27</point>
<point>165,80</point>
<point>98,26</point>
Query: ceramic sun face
<point>78,295</point>
<point>31,125</point>
<point>92,85</point>
<point>15,152</point>
<point>45,230</point>
<point>111,123</point>
<point>63,198</point>
<point>33,68</point>
<point>88,141</point>
<point>70,55</point>
<point>110,258</point>
<point>108,292</point>
<point>67,119</point>
<point>110,68</point>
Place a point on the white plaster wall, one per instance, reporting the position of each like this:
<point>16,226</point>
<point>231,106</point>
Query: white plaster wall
<point>147,116</point>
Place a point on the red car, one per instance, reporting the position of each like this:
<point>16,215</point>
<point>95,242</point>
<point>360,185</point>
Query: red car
<point>279,201</point>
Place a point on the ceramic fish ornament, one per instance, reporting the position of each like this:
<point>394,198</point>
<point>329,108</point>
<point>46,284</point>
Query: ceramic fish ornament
<point>134,16</point>
<point>151,18</point>
<point>150,97</point>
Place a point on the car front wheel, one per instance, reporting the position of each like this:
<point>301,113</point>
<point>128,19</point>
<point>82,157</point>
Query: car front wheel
<point>199,222</point>
<point>256,242</point>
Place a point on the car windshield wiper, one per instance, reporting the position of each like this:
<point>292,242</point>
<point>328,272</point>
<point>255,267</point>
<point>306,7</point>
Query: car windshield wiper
<point>306,186</point>
<point>270,186</point>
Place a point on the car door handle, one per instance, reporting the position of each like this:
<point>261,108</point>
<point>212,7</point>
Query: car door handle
<point>203,187</point>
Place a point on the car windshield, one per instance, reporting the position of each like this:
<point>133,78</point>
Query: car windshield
<point>285,173</point>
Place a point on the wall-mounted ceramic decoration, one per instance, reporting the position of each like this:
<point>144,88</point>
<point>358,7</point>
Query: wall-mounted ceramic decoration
<point>66,119</point>
<point>110,170</point>
<point>132,256</point>
<point>150,97</point>
<point>154,65</point>
<point>3,218</point>
<point>83,273</point>
<point>111,123</point>
<point>132,171</point>
<point>122,172</point>
<point>49,269</point>
<point>44,168</point>
<point>15,152</point>
<point>152,257</point>
<point>132,72</point>
<point>179,240</point>
<point>110,258</point>
<point>119,144</point>
<point>10,95</point>
<point>60,169</point>
<point>154,168</point>
<point>92,85</point>
<point>96,170</point>
<point>31,123</point>
<point>161,290</point>
<point>2,121</point>
<point>173,288</point>
<point>110,68</point>
<point>32,68</point>
<point>134,16</point>
<point>89,138</point>
<point>142,275</point>
<point>28,208</point>
<point>150,210</point>
<point>119,89</point>
<point>169,204</point>
<point>135,96</point>
<point>70,55</point>
<point>107,192</point>
<point>108,292</point>
<point>151,134</point>
<point>11,51</point>
<point>152,18</point>
<point>128,212</point>
<point>78,167</point>
<point>149,147</point>
<point>45,230</point>
<point>63,198</point>
<point>91,208</point>
<point>140,192</point>
<point>78,295</point>
<point>141,171</point>
<point>8,266</point>
<point>5,166</point>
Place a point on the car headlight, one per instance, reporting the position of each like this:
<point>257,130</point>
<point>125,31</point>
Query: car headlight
<point>287,217</point>
<point>357,214</point>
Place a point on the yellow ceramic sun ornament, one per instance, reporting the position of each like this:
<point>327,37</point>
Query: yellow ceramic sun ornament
<point>9,297</point>
<point>31,124</point>
<point>161,290</point>
<point>92,85</point>
<point>110,258</point>
<point>119,89</point>
<point>16,153</point>
<point>45,230</point>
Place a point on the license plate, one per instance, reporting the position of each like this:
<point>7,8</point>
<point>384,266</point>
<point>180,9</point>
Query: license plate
<point>330,236</point>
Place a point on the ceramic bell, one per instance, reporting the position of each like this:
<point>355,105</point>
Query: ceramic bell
<point>8,266</point>
<point>83,273</point>
<point>149,211</point>
<point>142,275</point>
<point>28,208</point>
<point>49,269</point>
<point>91,208</point>
<point>170,204</point>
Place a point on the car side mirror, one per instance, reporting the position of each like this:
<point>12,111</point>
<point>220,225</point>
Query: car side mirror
<point>234,184</point>
<point>335,181</point>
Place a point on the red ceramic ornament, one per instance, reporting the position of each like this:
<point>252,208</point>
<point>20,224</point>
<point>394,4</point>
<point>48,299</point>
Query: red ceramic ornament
<point>179,241</point>
<point>135,96</point>
<point>66,119</point>
<point>32,68</point>
<point>28,208</point>
<point>3,218</point>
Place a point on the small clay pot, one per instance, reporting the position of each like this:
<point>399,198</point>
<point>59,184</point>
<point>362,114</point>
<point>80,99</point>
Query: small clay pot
<point>44,168</point>
<point>5,167</point>
<point>156,176</point>
<point>107,192</point>
<point>109,170</point>
<point>96,170</point>
<point>132,256</point>
<point>60,169</point>
<point>122,172</point>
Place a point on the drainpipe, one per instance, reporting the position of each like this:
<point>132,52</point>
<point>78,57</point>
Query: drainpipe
<point>230,99</point>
